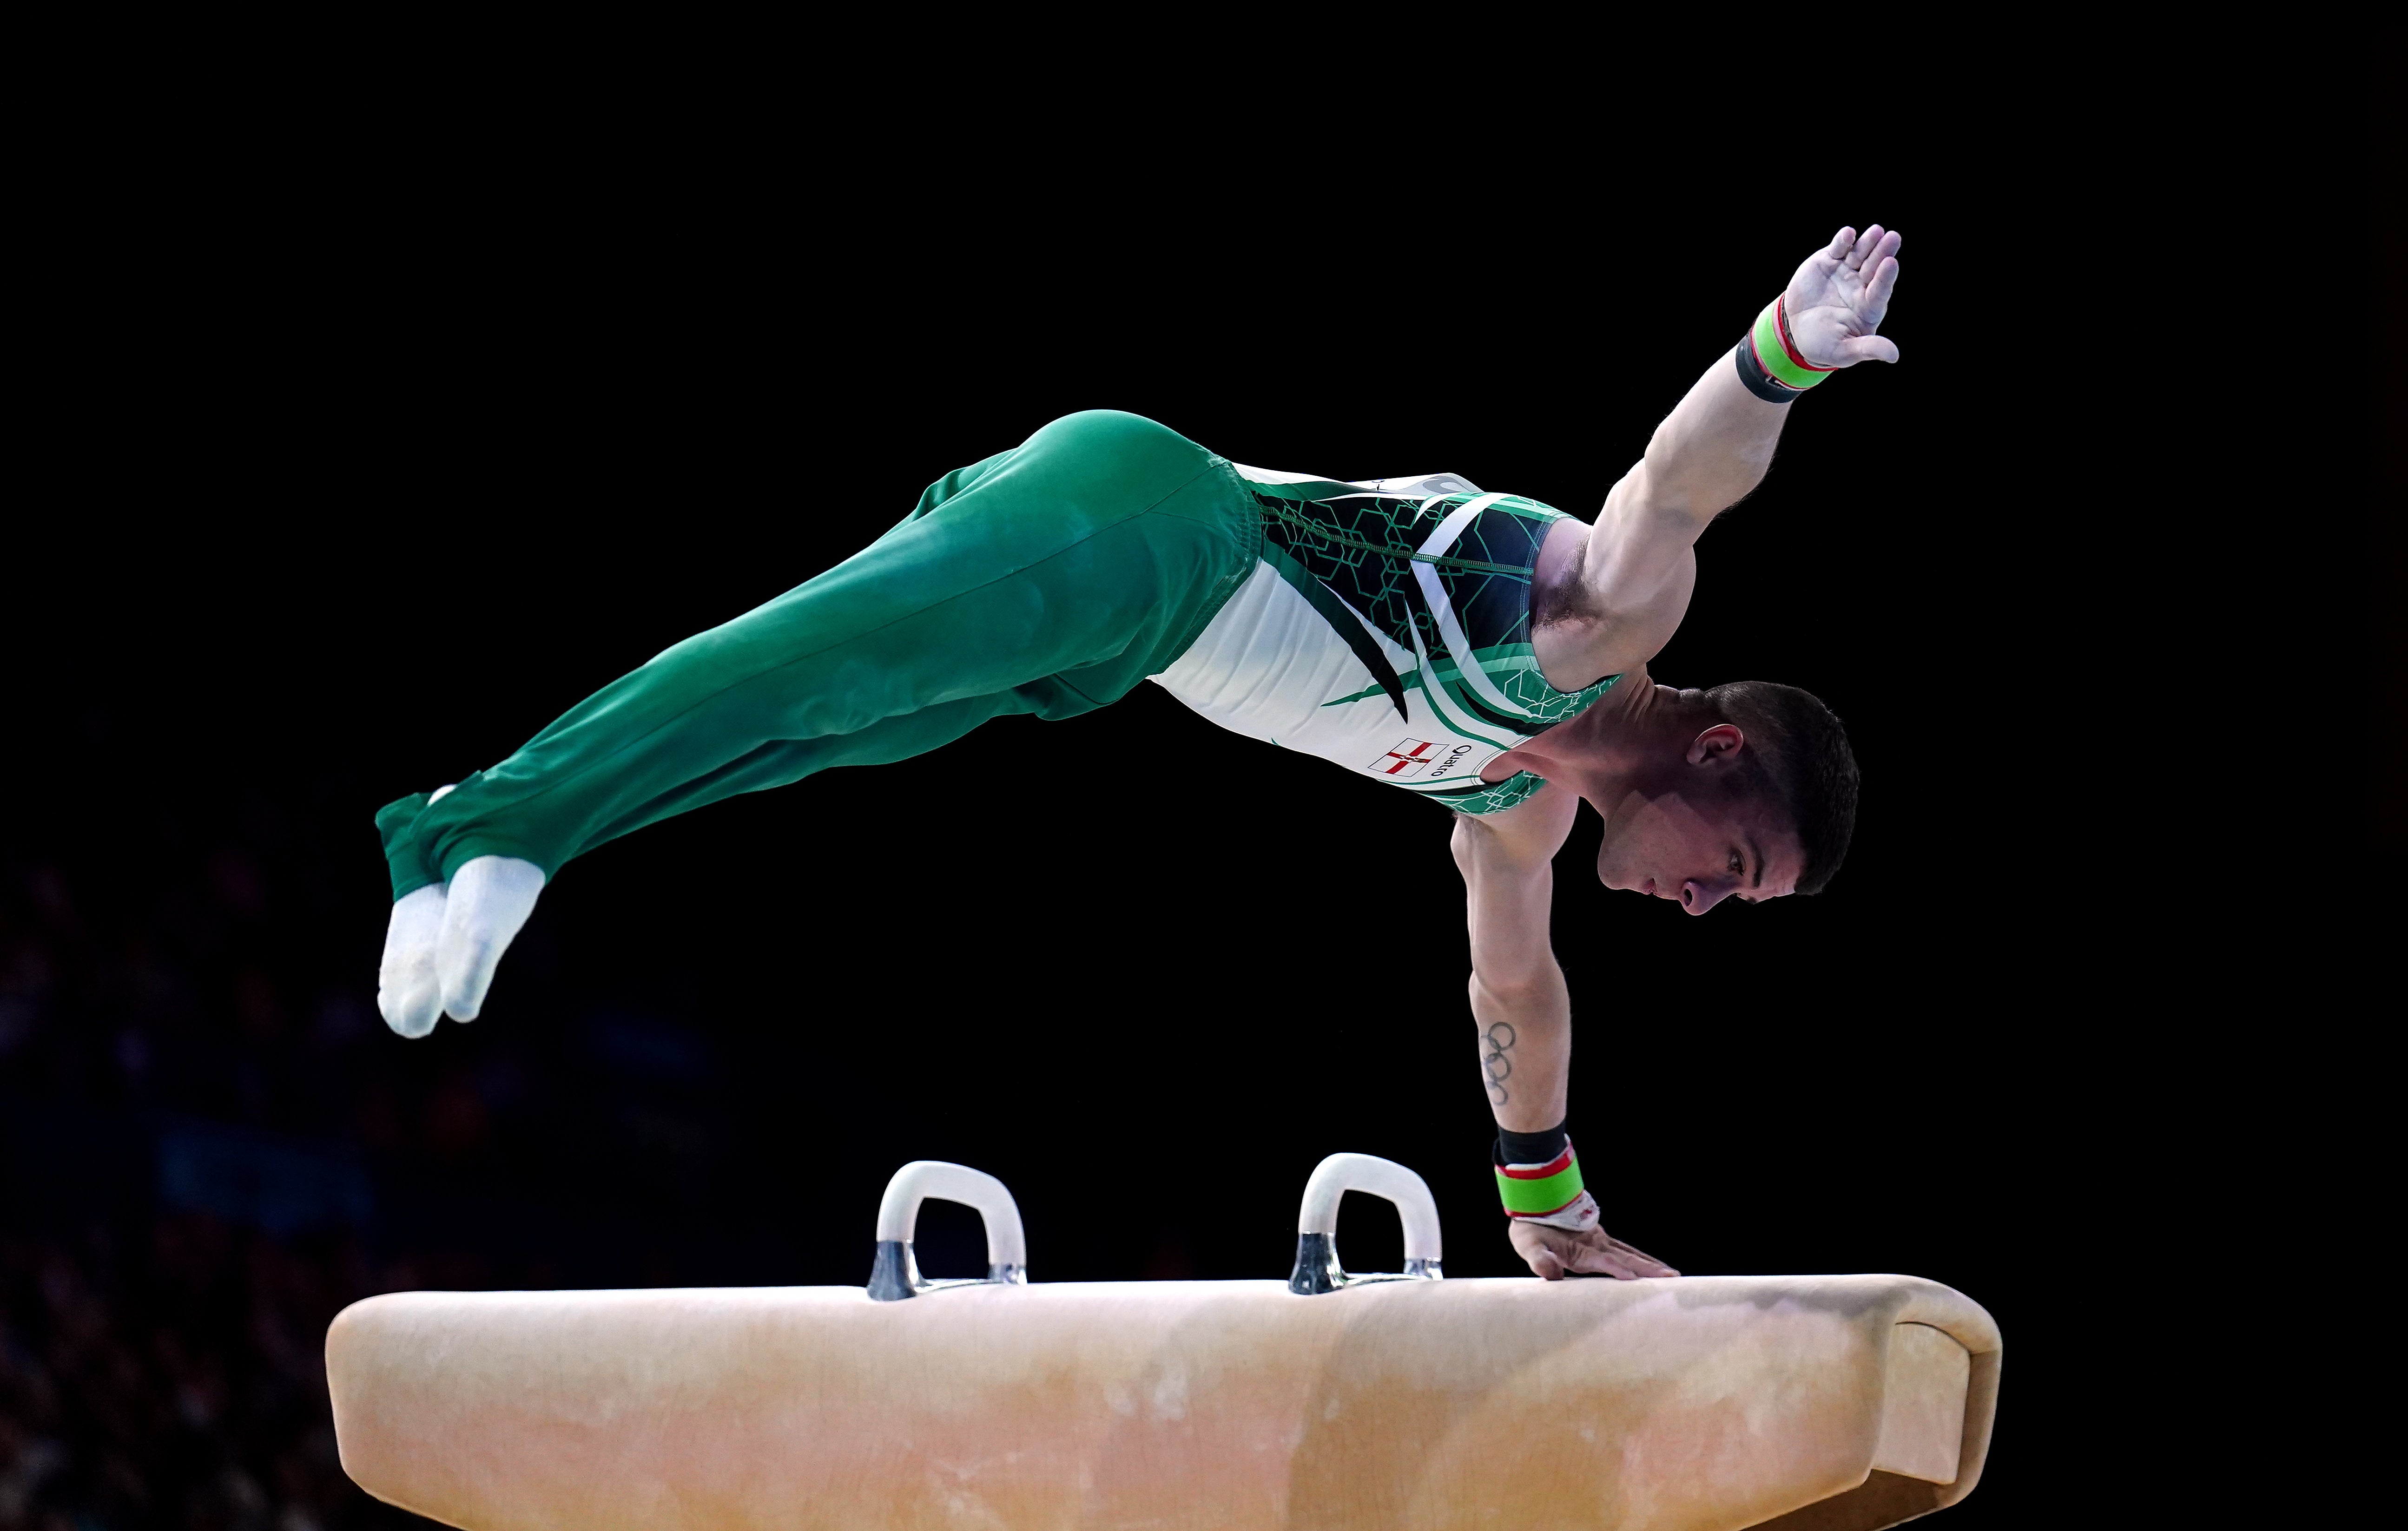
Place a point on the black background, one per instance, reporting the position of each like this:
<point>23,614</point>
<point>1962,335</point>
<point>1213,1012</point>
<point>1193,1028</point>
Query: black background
<point>387,446</point>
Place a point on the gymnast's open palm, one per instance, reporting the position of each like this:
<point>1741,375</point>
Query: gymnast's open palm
<point>1836,299</point>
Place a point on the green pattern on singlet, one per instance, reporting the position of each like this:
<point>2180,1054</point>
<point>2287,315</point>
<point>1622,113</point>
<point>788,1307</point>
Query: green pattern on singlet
<point>1495,798</point>
<point>1363,546</point>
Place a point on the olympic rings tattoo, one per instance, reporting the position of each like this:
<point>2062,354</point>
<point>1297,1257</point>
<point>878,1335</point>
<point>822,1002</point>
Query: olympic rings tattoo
<point>1494,1066</point>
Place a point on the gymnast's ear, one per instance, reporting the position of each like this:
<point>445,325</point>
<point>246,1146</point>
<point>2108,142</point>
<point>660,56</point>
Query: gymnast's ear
<point>1717,748</point>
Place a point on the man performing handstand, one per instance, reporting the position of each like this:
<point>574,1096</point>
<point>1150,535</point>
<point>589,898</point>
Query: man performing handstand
<point>1482,651</point>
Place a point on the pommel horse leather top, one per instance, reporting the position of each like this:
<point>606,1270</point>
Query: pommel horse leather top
<point>1836,1403</point>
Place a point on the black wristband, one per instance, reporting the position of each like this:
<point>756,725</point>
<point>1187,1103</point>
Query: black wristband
<point>1530,1148</point>
<point>1763,384</point>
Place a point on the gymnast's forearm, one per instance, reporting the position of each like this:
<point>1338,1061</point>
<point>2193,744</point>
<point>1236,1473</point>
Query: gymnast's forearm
<point>1709,454</point>
<point>1519,999</point>
<point>1526,1048</point>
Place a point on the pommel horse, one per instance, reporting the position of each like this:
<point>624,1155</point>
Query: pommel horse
<point>1327,1402</point>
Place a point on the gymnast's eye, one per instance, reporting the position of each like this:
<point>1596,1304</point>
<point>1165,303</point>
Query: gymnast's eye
<point>1737,864</point>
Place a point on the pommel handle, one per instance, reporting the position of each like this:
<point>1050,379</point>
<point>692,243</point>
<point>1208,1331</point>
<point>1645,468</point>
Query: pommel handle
<point>894,1275</point>
<point>1317,1270</point>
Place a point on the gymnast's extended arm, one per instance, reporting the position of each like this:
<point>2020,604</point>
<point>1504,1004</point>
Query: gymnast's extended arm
<point>1639,565</point>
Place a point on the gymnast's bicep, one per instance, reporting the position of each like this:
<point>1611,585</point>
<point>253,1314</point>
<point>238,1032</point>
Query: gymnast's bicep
<point>1638,571</point>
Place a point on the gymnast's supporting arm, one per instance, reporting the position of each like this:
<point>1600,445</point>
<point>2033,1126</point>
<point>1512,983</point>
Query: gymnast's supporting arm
<point>1524,1009</point>
<point>1518,995</point>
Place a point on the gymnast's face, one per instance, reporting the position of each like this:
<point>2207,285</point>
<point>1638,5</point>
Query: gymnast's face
<point>1690,833</point>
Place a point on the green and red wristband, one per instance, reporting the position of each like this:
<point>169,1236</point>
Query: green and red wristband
<point>1551,1192</point>
<point>1770,361</point>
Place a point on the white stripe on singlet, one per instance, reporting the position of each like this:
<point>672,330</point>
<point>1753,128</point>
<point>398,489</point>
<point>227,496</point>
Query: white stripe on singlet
<point>1443,609</point>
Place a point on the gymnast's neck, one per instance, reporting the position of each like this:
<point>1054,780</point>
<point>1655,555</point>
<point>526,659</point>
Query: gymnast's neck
<point>1627,736</point>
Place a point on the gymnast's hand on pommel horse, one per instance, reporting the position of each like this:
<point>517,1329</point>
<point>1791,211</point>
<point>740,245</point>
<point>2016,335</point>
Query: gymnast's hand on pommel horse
<point>1479,650</point>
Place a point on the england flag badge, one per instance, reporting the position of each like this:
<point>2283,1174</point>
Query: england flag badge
<point>1410,758</point>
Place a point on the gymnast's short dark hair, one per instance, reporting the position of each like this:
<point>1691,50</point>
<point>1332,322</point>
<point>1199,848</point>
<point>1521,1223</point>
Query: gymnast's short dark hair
<point>1803,762</point>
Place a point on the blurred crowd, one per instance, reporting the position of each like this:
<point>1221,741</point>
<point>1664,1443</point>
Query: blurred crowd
<point>173,1377</point>
<point>185,1122</point>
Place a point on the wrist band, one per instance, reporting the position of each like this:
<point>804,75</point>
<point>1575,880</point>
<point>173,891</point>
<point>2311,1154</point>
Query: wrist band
<point>1530,1148</point>
<point>1769,362</point>
<point>1540,1191</point>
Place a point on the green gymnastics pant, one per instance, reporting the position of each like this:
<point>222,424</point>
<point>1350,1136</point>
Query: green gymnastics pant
<point>1051,579</point>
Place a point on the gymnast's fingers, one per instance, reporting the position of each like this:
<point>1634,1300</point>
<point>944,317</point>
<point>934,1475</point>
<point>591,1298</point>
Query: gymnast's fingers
<point>1640,1259</point>
<point>1840,244</point>
<point>1867,348</point>
<point>1601,1256</point>
<point>1861,254</point>
<point>1537,1246</point>
<point>1877,293</point>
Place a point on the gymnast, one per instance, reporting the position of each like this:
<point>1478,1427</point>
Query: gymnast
<point>1479,650</point>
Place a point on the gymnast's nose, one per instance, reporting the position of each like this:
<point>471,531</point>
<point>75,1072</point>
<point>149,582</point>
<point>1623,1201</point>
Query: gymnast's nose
<point>1698,897</point>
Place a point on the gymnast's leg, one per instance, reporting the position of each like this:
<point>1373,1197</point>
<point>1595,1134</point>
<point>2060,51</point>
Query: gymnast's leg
<point>1050,580</point>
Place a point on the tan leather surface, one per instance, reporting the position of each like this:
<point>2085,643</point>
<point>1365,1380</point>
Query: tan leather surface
<point>1923,1404</point>
<point>1173,1406</point>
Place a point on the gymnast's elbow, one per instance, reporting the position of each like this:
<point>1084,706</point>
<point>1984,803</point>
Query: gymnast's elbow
<point>1523,992</point>
<point>1684,504</point>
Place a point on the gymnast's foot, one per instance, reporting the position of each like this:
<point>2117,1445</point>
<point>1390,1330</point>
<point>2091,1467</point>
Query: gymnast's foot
<point>444,942</point>
<point>407,994</point>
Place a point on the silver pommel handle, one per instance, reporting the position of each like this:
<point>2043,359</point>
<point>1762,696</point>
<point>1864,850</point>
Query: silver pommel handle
<point>894,1274</point>
<point>1317,1270</point>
